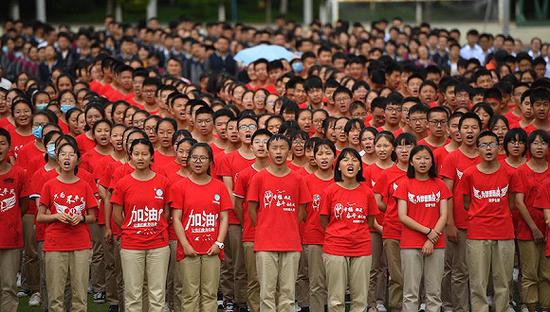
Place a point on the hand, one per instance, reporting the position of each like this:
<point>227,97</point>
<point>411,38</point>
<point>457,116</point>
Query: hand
<point>428,248</point>
<point>214,250</point>
<point>452,233</point>
<point>75,219</point>
<point>433,236</point>
<point>189,251</point>
<point>537,235</point>
<point>63,218</point>
<point>107,234</point>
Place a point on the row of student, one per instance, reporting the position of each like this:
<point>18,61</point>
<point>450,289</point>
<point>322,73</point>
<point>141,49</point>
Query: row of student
<point>383,143</point>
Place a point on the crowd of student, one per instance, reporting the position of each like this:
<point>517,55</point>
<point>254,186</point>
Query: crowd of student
<point>140,164</point>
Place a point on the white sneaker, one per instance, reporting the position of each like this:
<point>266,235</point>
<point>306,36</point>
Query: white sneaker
<point>490,301</point>
<point>422,307</point>
<point>19,283</point>
<point>524,309</point>
<point>35,300</point>
<point>515,275</point>
<point>380,307</point>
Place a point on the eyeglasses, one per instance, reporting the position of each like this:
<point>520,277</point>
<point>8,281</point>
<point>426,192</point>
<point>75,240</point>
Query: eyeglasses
<point>515,142</point>
<point>337,129</point>
<point>298,142</point>
<point>204,121</point>
<point>259,142</point>
<point>419,120</point>
<point>540,144</point>
<point>248,127</point>
<point>393,109</point>
<point>199,159</point>
<point>342,99</point>
<point>438,122</point>
<point>488,145</point>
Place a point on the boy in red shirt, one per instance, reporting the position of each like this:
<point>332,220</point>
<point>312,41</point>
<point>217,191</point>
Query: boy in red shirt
<point>276,203</point>
<point>490,240</point>
<point>438,118</point>
<point>455,275</point>
<point>540,103</point>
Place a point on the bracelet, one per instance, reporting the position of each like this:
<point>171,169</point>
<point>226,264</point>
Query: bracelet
<point>429,232</point>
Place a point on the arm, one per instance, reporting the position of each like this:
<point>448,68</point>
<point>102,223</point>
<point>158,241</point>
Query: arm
<point>467,200</point>
<point>324,221</point>
<point>452,231</point>
<point>44,217</point>
<point>301,212</point>
<point>412,224</point>
<point>224,224</point>
<point>371,221</point>
<point>239,208</point>
<point>443,215</point>
<point>167,212</point>
<point>108,210</point>
<point>519,200</point>
<point>117,214</point>
<point>380,202</point>
<point>252,212</point>
<point>180,233</point>
<point>24,205</point>
<point>547,217</point>
<point>228,181</point>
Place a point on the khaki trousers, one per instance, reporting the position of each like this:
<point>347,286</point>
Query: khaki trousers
<point>302,282</point>
<point>343,272</point>
<point>59,266</point>
<point>173,281</point>
<point>97,267</point>
<point>233,277</point>
<point>378,276</point>
<point>114,285</point>
<point>200,277</point>
<point>138,264</point>
<point>535,271</point>
<point>30,267</point>
<point>9,264</point>
<point>277,273</point>
<point>42,264</point>
<point>392,250</point>
<point>316,275</point>
<point>454,290</point>
<point>484,257</point>
<point>416,266</point>
<point>253,289</point>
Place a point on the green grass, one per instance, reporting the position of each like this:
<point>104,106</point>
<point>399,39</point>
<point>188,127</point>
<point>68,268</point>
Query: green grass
<point>92,307</point>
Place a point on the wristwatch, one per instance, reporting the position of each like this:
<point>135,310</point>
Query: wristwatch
<point>219,244</point>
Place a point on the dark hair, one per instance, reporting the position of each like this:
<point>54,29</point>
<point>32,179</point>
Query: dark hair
<point>322,142</point>
<point>384,134</point>
<point>515,134</point>
<point>345,152</point>
<point>496,118</point>
<point>191,141</point>
<point>75,148</point>
<point>432,172</point>
<point>261,132</point>
<point>105,121</point>
<point>469,115</point>
<point>539,133</point>
<point>169,120</point>
<point>144,142</point>
<point>486,133</point>
<point>208,151</point>
<point>5,133</point>
<point>279,137</point>
<point>405,138</point>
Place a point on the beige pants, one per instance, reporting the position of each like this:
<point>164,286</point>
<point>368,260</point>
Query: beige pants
<point>343,272</point>
<point>378,276</point>
<point>233,277</point>
<point>277,273</point>
<point>138,264</point>
<point>9,264</point>
<point>59,265</point>
<point>392,250</point>
<point>97,267</point>
<point>535,274</point>
<point>30,266</point>
<point>455,292</point>
<point>173,281</point>
<point>316,274</point>
<point>302,282</point>
<point>416,266</point>
<point>253,289</point>
<point>200,277</point>
<point>114,286</point>
<point>483,257</point>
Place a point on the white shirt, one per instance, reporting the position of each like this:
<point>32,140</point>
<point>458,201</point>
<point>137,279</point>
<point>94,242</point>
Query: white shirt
<point>467,52</point>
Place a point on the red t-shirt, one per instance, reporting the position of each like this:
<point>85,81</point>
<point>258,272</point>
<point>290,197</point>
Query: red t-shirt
<point>91,161</point>
<point>239,190</point>
<point>278,201</point>
<point>18,141</point>
<point>386,186</point>
<point>542,201</point>
<point>144,225</point>
<point>529,180</point>
<point>96,86</point>
<point>432,147</point>
<point>104,178</point>
<point>230,166</point>
<point>372,173</point>
<point>313,233</point>
<point>30,158</point>
<point>161,160</point>
<point>440,154</point>
<point>489,216</point>
<point>512,118</point>
<point>85,144</point>
<point>453,169</point>
<point>347,233</point>
<point>201,206</point>
<point>516,215</point>
<point>11,190</point>
<point>72,199</point>
<point>423,205</point>
<point>173,178</point>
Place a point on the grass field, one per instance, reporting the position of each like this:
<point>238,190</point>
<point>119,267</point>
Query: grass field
<point>92,307</point>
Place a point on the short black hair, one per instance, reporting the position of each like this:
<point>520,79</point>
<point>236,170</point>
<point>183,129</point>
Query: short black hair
<point>486,133</point>
<point>345,152</point>
<point>515,134</point>
<point>5,133</point>
<point>278,137</point>
<point>469,115</point>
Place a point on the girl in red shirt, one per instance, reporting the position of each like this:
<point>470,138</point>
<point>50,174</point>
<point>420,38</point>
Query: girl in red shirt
<point>535,268</point>
<point>500,126</point>
<point>11,241</point>
<point>67,205</point>
<point>101,132</point>
<point>297,149</point>
<point>140,204</point>
<point>347,212</point>
<point>200,214</point>
<point>515,142</point>
<point>422,208</point>
<point>165,153</point>
<point>21,134</point>
<point>86,141</point>
<point>368,154</point>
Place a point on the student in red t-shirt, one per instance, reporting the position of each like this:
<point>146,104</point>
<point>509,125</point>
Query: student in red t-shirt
<point>12,180</point>
<point>165,152</point>
<point>540,104</point>
<point>313,233</point>
<point>21,134</point>
<point>200,214</point>
<point>535,268</point>
<point>311,164</point>
<point>500,126</point>
<point>92,114</point>
<point>438,118</point>
<point>141,209</point>
<point>490,244</point>
<point>391,233</point>
<point>422,207</point>
<point>276,203</point>
<point>67,205</point>
<point>299,159</point>
<point>347,212</point>
<point>455,276</point>
<point>368,153</point>
<point>542,201</point>
<point>441,153</point>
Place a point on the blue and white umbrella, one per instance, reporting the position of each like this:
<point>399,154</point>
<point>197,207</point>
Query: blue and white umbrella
<point>267,51</point>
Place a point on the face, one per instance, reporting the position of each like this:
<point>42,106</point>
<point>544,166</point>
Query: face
<point>414,86</point>
<point>324,158</point>
<point>128,116</point>
<point>393,114</point>
<point>4,148</point>
<point>141,156</point>
<point>138,119</point>
<point>349,166</point>
<point>469,131</point>
<point>484,81</point>
<point>204,124</point>
<point>541,109</point>
<point>300,93</point>
<point>539,148</point>
<point>340,132</point>
<point>417,122</point>
<point>379,117</point>
<point>454,131</point>
<point>367,142</point>
<point>22,115</point>
<point>165,133</point>
<point>261,71</point>
<point>484,116</point>
<point>259,146</point>
<point>383,148</point>
<point>438,124</point>
<point>232,132</point>
<point>150,126</point>
<point>273,125</point>
<point>428,94</point>
<point>102,134</point>
<point>488,148</point>
<point>67,158</point>
<point>516,147</point>
<point>247,127</point>
<point>182,153</point>
<point>298,146</point>
<point>67,99</point>
<point>500,129</point>
<point>248,100</point>
<point>278,152</point>
<point>422,162</point>
<point>353,135</point>
<point>64,83</point>
<point>342,102</point>
<point>116,138</point>
<point>220,124</point>
<point>403,151</point>
<point>92,116</point>
<point>304,121</point>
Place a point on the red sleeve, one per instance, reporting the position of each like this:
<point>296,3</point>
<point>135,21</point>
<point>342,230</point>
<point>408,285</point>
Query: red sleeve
<point>445,192</point>
<point>239,187</point>
<point>464,185</point>
<point>176,196</point>
<point>225,200</point>
<point>91,201</point>
<point>105,176</point>
<point>381,185</point>
<point>45,195</point>
<point>326,199</point>
<point>542,200</point>
<point>371,204</point>
<point>305,195</point>
<point>118,193</point>
<point>447,168</point>
<point>515,183</point>
<point>401,191</point>
<point>224,168</point>
<point>253,189</point>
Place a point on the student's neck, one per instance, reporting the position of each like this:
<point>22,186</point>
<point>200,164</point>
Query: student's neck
<point>182,124</point>
<point>356,147</point>
<point>200,179</point>
<point>203,138</point>
<point>167,151</point>
<point>309,168</point>
<point>468,150</point>
<point>246,151</point>
<point>538,164</point>
<point>436,141</point>
<point>489,166</point>
<point>104,150</point>
<point>143,174</point>
<point>420,136</point>
<point>219,142</point>
<point>541,124</point>
<point>150,107</point>
<point>232,147</point>
<point>25,130</point>
<point>421,176</point>
<point>39,145</point>
<point>4,115</point>
<point>119,155</point>
<point>515,161</point>
<point>370,158</point>
<point>340,145</point>
<point>402,165</point>
<point>384,163</point>
<point>349,183</point>
<point>390,127</point>
<point>261,163</point>
<point>299,161</point>
<point>278,170</point>
<point>5,166</point>
<point>67,176</point>
<point>324,174</point>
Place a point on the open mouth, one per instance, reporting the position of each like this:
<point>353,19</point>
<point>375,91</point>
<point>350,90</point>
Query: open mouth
<point>350,169</point>
<point>278,158</point>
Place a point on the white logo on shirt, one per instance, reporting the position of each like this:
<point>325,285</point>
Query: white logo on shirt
<point>280,199</point>
<point>350,212</point>
<point>459,174</point>
<point>159,194</point>
<point>146,218</point>
<point>7,203</point>
<point>494,195</point>
<point>316,202</point>
<point>216,199</point>
<point>395,186</point>
<point>201,222</point>
<point>70,199</point>
<point>429,199</point>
